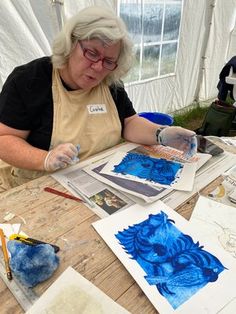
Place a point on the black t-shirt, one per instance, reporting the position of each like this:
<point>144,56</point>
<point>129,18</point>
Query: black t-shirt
<point>26,101</point>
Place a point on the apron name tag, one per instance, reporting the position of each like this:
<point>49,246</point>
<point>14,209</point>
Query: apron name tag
<point>97,108</point>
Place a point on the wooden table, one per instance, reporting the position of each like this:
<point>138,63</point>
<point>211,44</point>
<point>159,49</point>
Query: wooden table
<point>67,223</point>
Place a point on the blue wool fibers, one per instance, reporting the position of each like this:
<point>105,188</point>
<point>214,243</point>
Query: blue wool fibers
<point>32,264</point>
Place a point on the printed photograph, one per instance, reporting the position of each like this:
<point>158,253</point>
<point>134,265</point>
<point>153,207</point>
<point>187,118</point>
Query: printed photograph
<point>108,201</point>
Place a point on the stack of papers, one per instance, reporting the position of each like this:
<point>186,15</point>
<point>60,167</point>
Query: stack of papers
<point>158,172</point>
<point>111,192</point>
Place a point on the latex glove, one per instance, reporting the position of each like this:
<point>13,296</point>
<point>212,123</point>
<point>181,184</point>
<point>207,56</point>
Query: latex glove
<point>179,138</point>
<point>61,156</point>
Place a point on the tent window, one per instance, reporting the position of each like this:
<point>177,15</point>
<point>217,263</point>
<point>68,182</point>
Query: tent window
<point>154,29</point>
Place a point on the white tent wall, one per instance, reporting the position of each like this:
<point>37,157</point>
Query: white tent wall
<point>173,93</point>
<point>232,42</point>
<point>27,28</point>
<point>221,46</point>
<point>72,6</point>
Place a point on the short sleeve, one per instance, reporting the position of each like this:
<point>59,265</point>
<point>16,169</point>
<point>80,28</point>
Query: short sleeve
<point>26,101</point>
<point>12,108</point>
<point>123,103</point>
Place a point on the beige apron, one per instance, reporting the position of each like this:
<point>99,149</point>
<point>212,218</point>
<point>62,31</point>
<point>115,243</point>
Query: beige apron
<point>5,177</point>
<point>87,118</point>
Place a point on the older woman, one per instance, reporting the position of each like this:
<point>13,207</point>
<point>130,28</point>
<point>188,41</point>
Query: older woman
<point>52,104</point>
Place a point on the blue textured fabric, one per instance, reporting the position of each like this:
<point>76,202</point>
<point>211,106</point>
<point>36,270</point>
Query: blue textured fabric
<point>32,264</point>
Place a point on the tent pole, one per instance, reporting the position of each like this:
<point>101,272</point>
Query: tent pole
<point>58,5</point>
<point>201,74</point>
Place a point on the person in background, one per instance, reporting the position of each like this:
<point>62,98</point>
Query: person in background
<point>224,88</point>
<point>58,109</point>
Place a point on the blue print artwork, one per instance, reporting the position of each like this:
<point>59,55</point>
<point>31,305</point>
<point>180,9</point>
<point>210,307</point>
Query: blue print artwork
<point>176,265</point>
<point>157,170</point>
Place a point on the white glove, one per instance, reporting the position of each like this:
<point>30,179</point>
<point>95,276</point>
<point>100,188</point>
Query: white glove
<point>61,156</point>
<point>179,138</point>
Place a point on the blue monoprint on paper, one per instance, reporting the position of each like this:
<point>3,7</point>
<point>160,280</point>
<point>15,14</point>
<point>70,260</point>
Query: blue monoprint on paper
<point>152,169</point>
<point>171,260</point>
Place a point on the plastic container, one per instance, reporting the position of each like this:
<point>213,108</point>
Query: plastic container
<point>157,117</point>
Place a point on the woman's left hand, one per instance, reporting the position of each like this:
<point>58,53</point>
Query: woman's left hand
<point>179,138</point>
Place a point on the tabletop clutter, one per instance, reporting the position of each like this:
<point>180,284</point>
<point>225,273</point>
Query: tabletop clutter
<point>32,264</point>
<point>33,261</point>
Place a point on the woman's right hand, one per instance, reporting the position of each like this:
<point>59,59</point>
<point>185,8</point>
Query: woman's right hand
<point>61,156</point>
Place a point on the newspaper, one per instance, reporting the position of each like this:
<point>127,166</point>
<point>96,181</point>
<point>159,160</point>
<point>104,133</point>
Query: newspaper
<point>146,192</point>
<point>104,196</point>
<point>231,141</point>
<point>143,191</point>
<point>215,167</point>
<point>226,192</point>
<point>108,196</point>
<point>106,200</point>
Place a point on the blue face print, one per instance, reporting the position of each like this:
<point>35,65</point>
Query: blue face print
<point>176,265</point>
<point>152,169</point>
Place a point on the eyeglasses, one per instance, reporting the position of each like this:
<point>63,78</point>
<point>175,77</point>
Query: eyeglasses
<point>95,57</point>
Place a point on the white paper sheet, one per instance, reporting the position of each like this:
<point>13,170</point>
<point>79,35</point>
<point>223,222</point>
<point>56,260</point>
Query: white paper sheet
<point>229,141</point>
<point>72,293</point>
<point>223,191</point>
<point>216,222</point>
<point>146,192</point>
<point>10,229</point>
<point>156,243</point>
<point>182,180</point>
<point>141,190</point>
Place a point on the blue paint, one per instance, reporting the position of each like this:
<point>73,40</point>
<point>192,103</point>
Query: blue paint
<point>156,170</point>
<point>192,141</point>
<point>139,187</point>
<point>176,265</point>
<point>32,264</point>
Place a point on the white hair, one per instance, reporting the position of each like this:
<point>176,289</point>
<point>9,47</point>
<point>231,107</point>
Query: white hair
<point>95,23</point>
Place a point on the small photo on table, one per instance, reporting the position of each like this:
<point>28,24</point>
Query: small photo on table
<point>108,201</point>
